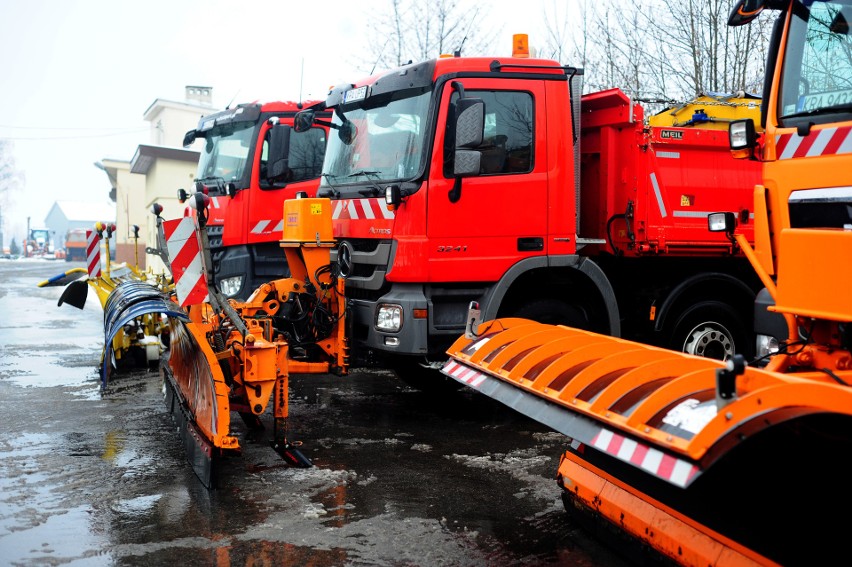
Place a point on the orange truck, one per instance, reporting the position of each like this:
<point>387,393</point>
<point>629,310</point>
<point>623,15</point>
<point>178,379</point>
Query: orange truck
<point>75,245</point>
<point>705,462</point>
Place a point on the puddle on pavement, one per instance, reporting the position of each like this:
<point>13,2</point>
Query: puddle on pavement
<point>57,540</point>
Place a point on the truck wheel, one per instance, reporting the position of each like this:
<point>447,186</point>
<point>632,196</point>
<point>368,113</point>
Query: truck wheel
<point>712,330</point>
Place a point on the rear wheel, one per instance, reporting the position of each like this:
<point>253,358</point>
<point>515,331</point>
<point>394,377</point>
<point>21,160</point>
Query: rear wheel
<point>711,329</point>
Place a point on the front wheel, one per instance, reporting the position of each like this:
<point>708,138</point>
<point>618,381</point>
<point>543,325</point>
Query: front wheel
<point>711,330</point>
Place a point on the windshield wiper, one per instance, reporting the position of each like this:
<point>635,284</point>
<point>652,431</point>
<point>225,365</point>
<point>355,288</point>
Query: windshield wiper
<point>330,190</point>
<point>211,181</point>
<point>372,191</point>
<point>364,172</point>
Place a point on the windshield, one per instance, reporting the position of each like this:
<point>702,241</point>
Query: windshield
<point>387,143</point>
<point>226,152</point>
<point>817,77</point>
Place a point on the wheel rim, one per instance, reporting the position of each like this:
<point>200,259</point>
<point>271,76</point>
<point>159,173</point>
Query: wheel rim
<point>709,340</point>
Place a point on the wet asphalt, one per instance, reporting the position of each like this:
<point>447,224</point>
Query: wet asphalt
<point>398,479</point>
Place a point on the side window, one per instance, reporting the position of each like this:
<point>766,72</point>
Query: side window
<point>507,140</point>
<point>307,150</point>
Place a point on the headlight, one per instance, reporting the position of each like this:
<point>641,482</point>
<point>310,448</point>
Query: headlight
<point>231,286</point>
<point>389,317</point>
<point>741,134</point>
<point>766,345</point>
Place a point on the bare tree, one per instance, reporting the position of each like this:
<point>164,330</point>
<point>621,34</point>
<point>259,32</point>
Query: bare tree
<point>11,182</point>
<point>662,51</point>
<point>412,30</point>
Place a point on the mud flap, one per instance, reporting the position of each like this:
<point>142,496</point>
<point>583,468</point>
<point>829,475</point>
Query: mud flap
<point>75,294</point>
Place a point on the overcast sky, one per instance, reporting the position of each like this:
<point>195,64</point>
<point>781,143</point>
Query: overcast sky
<point>78,75</point>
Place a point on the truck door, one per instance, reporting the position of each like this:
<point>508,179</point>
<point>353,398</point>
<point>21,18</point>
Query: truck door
<point>501,216</point>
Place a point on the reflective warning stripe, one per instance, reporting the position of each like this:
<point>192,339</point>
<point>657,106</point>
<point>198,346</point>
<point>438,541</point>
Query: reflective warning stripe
<point>214,203</point>
<point>676,471</point>
<point>828,141</point>
<point>464,374</point>
<point>577,426</point>
<point>659,195</point>
<point>355,209</point>
<point>262,227</point>
<point>185,257</point>
<point>93,253</point>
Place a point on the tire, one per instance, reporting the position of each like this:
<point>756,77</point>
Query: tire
<point>410,370</point>
<point>711,329</point>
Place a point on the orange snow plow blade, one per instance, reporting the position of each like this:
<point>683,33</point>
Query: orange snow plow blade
<point>735,453</point>
<point>237,356</point>
<point>197,397</point>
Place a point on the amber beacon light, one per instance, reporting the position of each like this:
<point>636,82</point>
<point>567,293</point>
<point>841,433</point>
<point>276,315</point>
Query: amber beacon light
<point>520,45</point>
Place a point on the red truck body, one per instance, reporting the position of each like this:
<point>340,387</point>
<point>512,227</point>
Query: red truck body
<point>604,225</point>
<point>244,223</point>
<point>672,176</point>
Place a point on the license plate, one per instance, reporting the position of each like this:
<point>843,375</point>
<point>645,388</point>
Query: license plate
<point>355,94</point>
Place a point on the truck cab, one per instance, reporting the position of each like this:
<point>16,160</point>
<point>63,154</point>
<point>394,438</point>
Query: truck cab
<point>247,186</point>
<point>494,181</point>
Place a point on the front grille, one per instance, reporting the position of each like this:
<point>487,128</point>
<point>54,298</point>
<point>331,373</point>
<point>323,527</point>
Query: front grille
<point>371,259</point>
<point>214,238</point>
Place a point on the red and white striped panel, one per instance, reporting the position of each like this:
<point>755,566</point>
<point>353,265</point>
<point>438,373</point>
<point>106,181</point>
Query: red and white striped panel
<point>353,209</point>
<point>469,376</point>
<point>185,257</point>
<point>263,227</point>
<point>671,469</point>
<point>93,253</point>
<point>659,464</point>
<point>828,141</point>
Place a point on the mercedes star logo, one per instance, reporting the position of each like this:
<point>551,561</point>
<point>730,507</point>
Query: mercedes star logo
<point>344,259</point>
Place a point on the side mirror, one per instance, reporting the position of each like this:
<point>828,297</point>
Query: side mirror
<point>347,132</point>
<point>303,120</point>
<point>189,137</point>
<point>745,11</point>
<point>278,160</point>
<point>470,123</point>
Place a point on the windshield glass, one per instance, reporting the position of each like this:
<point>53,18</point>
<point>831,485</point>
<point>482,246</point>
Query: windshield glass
<point>387,143</point>
<point>226,152</point>
<point>817,73</point>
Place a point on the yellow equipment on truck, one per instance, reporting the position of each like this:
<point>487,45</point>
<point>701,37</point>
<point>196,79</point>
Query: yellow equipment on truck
<point>701,461</point>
